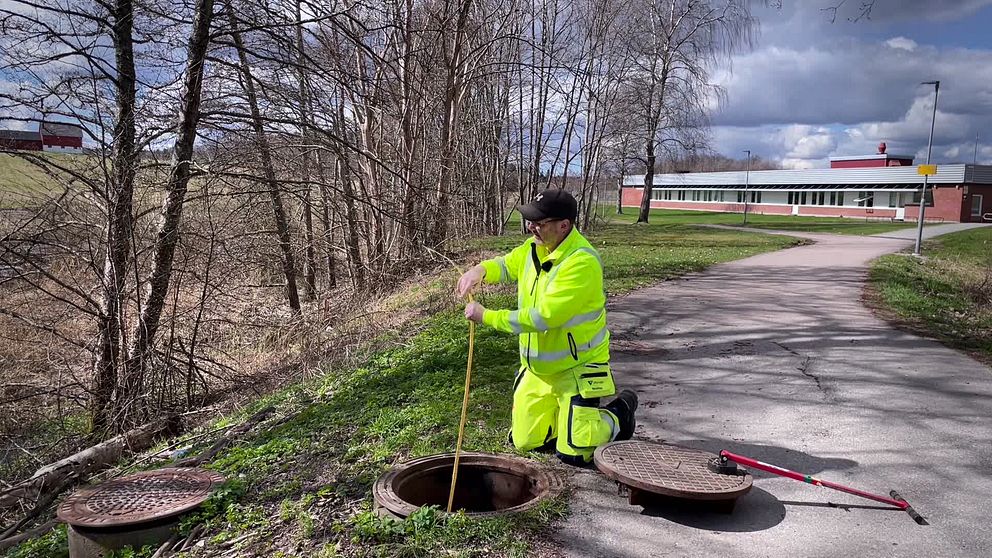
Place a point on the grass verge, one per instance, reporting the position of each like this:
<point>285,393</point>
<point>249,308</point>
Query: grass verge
<point>302,486</point>
<point>835,225</point>
<point>947,295</point>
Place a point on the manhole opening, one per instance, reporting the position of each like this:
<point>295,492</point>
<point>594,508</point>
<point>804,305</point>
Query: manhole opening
<point>479,489</point>
<point>487,485</point>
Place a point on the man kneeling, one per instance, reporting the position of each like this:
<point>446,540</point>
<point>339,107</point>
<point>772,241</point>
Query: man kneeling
<point>564,342</point>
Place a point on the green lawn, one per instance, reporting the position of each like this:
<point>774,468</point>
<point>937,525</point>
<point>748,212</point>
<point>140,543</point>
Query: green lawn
<point>23,183</point>
<point>303,487</point>
<point>836,225</point>
<point>946,295</point>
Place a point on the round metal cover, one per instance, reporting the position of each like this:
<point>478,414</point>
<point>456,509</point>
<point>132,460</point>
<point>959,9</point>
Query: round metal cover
<point>139,497</point>
<point>668,470</point>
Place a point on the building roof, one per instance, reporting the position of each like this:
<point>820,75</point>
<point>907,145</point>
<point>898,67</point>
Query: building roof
<point>19,135</point>
<point>61,129</point>
<point>782,179</point>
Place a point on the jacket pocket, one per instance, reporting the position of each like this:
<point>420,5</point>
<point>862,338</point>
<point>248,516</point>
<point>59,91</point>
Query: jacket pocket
<point>572,347</point>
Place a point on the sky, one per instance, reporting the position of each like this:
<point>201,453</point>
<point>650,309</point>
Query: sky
<point>813,88</point>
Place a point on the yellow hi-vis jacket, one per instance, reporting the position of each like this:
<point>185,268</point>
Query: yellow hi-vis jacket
<point>561,305</point>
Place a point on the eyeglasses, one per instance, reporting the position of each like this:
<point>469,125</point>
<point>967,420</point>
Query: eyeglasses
<point>541,223</point>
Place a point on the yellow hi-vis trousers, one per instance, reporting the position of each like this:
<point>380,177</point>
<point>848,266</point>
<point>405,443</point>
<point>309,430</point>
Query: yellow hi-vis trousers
<point>564,406</point>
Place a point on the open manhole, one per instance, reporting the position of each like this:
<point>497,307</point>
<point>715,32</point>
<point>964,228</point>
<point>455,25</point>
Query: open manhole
<point>134,510</point>
<point>487,485</point>
<point>649,469</point>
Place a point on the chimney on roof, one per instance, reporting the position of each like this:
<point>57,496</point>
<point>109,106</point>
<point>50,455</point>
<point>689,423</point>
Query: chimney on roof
<point>881,148</point>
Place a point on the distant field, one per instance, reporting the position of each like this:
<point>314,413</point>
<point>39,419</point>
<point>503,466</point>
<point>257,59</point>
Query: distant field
<point>837,225</point>
<point>20,181</point>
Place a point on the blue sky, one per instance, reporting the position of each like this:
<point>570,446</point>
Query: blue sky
<point>812,88</point>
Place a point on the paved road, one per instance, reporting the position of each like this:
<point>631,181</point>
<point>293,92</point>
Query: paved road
<point>776,358</point>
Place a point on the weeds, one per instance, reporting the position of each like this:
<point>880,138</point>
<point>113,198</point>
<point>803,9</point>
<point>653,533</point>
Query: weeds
<point>944,295</point>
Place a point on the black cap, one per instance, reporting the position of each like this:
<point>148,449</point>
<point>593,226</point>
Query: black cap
<point>552,203</point>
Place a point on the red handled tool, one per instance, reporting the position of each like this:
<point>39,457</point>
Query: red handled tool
<point>726,467</point>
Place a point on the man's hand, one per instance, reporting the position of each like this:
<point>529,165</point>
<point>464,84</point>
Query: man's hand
<point>474,312</point>
<point>470,280</point>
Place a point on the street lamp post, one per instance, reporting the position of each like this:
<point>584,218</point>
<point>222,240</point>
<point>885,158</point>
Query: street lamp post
<point>747,177</point>
<point>923,195</point>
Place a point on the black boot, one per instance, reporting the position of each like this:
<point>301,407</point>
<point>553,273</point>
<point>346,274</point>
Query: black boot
<point>623,407</point>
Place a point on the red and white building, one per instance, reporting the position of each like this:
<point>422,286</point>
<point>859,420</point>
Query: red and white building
<point>56,137</point>
<point>879,186</point>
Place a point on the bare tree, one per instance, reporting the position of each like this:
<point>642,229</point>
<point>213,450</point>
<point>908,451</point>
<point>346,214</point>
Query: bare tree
<point>149,320</point>
<point>676,48</point>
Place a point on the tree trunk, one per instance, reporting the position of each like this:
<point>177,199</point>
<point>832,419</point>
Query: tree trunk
<point>454,91</point>
<point>327,218</point>
<point>120,196</point>
<point>645,210</point>
<point>168,234</point>
<point>310,261</point>
<point>353,242</point>
<point>351,215</point>
<point>620,195</point>
<point>265,157</point>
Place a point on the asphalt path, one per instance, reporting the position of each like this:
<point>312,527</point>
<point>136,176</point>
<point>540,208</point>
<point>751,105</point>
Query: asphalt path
<point>775,357</point>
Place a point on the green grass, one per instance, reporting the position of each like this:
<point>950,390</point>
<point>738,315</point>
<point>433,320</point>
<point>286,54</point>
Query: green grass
<point>837,225</point>
<point>305,483</point>
<point>21,181</point>
<point>946,295</point>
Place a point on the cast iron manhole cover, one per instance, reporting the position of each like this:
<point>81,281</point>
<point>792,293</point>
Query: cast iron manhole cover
<point>139,497</point>
<point>668,470</point>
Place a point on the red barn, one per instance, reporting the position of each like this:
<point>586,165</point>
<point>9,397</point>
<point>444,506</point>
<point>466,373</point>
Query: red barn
<point>59,136</point>
<point>20,141</point>
<point>51,136</point>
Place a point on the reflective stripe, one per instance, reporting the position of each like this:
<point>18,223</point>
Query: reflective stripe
<point>514,319</point>
<point>591,252</point>
<point>582,318</point>
<point>558,355</point>
<point>586,249</point>
<point>596,340</point>
<point>538,320</point>
<point>504,273</point>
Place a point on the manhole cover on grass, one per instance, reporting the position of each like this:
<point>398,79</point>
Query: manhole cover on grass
<point>668,470</point>
<point>139,497</point>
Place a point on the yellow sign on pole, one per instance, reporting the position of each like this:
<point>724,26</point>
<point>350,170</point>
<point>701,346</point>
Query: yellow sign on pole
<point>926,170</point>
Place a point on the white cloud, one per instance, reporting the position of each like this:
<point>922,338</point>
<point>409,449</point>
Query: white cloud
<point>788,163</point>
<point>807,142</point>
<point>810,92</point>
<point>902,42</point>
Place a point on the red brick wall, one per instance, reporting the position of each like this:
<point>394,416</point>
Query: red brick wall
<point>24,145</point>
<point>948,206</point>
<point>632,196</point>
<point>867,163</point>
<point>986,192</point>
<point>857,164</point>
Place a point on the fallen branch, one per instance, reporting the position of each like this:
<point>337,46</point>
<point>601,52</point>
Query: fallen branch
<point>39,506</point>
<point>226,439</point>
<point>166,546</point>
<point>84,463</point>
